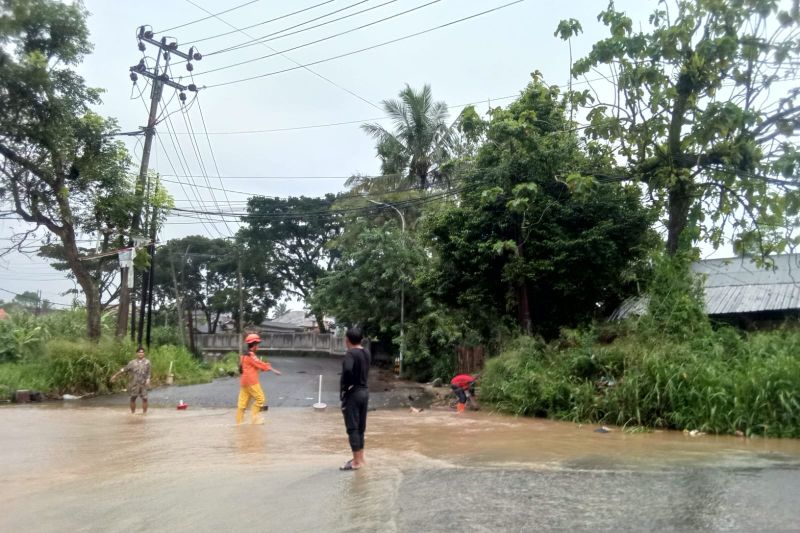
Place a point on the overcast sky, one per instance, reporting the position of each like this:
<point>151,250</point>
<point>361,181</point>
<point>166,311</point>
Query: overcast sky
<point>483,59</point>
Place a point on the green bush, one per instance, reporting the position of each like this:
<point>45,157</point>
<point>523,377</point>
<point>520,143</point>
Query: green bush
<point>228,366</point>
<point>186,368</point>
<point>162,335</point>
<point>81,367</point>
<point>20,337</point>
<point>15,376</point>
<point>722,382</point>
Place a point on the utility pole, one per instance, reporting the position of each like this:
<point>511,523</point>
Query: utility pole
<point>159,79</point>
<point>149,276</point>
<point>241,292</point>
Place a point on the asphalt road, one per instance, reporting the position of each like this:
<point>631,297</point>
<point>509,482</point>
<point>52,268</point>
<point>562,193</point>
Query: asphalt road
<point>297,386</point>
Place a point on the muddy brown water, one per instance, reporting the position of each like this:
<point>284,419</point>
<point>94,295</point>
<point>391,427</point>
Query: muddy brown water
<point>81,469</point>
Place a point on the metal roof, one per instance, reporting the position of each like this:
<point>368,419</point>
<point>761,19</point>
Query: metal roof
<point>738,285</point>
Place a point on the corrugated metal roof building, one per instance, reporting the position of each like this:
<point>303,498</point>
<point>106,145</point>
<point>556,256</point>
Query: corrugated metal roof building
<point>738,287</point>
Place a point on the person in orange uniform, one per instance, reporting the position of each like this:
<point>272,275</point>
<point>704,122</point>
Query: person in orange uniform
<point>250,388</point>
<point>463,386</point>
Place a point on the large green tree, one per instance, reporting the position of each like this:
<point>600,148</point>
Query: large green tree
<point>525,242</point>
<point>198,273</point>
<point>377,263</point>
<point>57,159</point>
<point>290,238</point>
<point>705,112</point>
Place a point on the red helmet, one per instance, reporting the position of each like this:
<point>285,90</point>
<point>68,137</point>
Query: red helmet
<point>253,337</point>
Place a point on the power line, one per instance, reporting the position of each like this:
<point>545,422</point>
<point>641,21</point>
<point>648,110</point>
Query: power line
<point>379,45</point>
<point>305,67</point>
<point>263,22</point>
<point>213,157</point>
<point>372,119</point>
<point>278,177</point>
<point>208,17</point>
<point>165,112</point>
<point>51,303</point>
<point>193,141</point>
<point>183,188</point>
<point>181,160</point>
<point>313,42</point>
<point>277,34</point>
<point>258,24</point>
<point>329,212</point>
<point>210,188</point>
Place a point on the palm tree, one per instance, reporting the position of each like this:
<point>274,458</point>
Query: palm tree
<point>420,142</point>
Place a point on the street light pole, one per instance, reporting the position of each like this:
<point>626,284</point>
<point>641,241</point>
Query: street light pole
<point>402,284</point>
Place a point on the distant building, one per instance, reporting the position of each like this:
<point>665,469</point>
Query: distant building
<point>4,315</point>
<point>292,322</point>
<point>738,291</point>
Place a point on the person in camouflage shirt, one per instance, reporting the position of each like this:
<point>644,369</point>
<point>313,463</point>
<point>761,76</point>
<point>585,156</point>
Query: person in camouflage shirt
<point>138,371</point>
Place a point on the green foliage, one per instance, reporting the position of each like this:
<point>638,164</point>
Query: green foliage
<point>419,143</point>
<point>375,265</point>
<point>294,248</point>
<point>81,367</point>
<point>161,335</point>
<point>431,342</point>
<point>24,335</point>
<point>72,324</point>
<point>186,368</point>
<point>205,274</point>
<point>676,307</point>
<point>701,116</point>
<point>522,240</point>
<point>722,382</point>
<point>228,366</point>
<point>60,167</point>
<point>20,337</point>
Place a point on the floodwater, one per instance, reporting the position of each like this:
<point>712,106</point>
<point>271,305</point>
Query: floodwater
<point>75,469</point>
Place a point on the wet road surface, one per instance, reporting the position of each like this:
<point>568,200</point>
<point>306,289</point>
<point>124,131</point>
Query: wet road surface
<point>297,386</point>
<point>76,468</point>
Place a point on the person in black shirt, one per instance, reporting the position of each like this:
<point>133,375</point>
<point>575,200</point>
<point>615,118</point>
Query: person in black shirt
<point>354,394</point>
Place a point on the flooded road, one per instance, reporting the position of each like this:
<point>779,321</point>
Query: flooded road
<point>78,468</point>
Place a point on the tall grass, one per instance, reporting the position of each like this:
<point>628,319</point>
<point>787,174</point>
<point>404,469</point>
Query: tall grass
<point>80,367</point>
<point>722,382</point>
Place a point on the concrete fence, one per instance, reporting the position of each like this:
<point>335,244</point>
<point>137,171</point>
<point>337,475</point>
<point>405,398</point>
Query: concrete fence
<point>324,343</point>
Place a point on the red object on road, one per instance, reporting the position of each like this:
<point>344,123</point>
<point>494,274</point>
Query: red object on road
<point>182,406</point>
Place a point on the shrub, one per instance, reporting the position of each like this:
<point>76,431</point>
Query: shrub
<point>721,383</point>
<point>80,367</point>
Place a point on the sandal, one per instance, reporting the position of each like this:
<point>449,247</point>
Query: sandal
<point>348,466</point>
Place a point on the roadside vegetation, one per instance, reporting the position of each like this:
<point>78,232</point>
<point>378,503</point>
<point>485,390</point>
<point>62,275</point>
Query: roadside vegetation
<point>627,374</point>
<point>49,354</point>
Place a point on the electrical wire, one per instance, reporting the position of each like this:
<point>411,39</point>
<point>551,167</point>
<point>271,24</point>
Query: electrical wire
<point>280,34</point>
<point>196,147</point>
<point>365,49</point>
<point>50,294</point>
<point>183,162</point>
<point>310,43</point>
<point>279,177</point>
<point>306,68</point>
<point>208,17</point>
<point>211,151</point>
<point>337,212</point>
<point>183,187</point>
<point>259,23</point>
